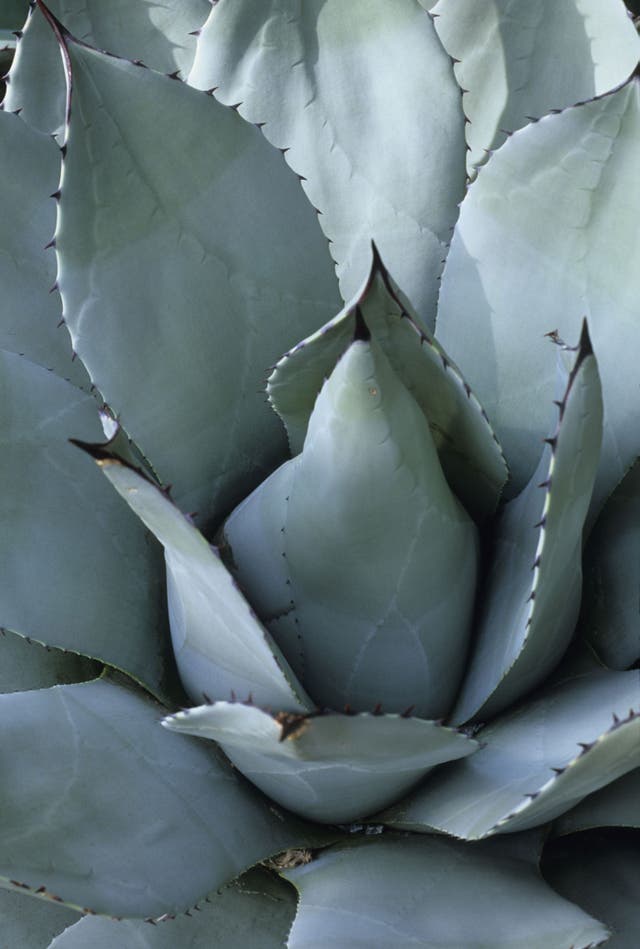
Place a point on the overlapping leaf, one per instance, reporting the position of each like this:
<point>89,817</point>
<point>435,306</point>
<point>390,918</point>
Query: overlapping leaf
<point>257,909</point>
<point>173,302</point>
<point>531,595</point>
<point>110,813</point>
<point>78,570</point>
<point>25,664</point>
<point>158,32</point>
<point>32,924</point>
<point>470,455</point>
<point>616,805</point>
<point>332,768</point>
<point>535,762</point>
<point>219,644</point>
<point>430,892</point>
<point>363,604</point>
<point>536,249</point>
<point>324,81</point>
<point>517,60</point>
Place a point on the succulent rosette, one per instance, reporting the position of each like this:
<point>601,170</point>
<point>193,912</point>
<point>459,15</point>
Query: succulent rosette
<point>345,650</point>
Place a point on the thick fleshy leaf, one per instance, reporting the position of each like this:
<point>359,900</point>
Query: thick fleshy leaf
<point>219,644</point>
<point>365,606</point>
<point>97,574</point>
<point>25,664</point>
<point>29,313</point>
<point>107,811</point>
<point>173,229</point>
<point>434,893</point>
<point>611,613</point>
<point>601,873</point>
<point>535,762</point>
<point>323,78</point>
<point>256,910</point>
<point>531,595</point>
<point>547,236</point>
<point>331,767</point>
<point>517,60</point>
<point>616,805</point>
<point>31,924</point>
<point>158,32</point>
<point>467,447</point>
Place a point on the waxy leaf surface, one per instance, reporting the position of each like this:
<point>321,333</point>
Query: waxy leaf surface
<point>616,805</point>
<point>29,923</point>
<point>329,81</point>
<point>518,60</point>
<point>537,249</point>
<point>535,762</point>
<point>431,893</point>
<point>176,294</point>
<point>531,595</point>
<point>78,570</point>
<point>25,664</point>
<point>109,812</point>
<point>330,767</point>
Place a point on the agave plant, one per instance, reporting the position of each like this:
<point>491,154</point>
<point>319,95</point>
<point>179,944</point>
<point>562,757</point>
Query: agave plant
<point>337,647</point>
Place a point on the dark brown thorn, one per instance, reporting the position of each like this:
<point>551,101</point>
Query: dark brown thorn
<point>558,771</point>
<point>541,523</point>
<point>586,745</point>
<point>174,75</point>
<point>407,712</point>
<point>56,195</point>
<point>52,243</point>
<point>53,288</point>
<point>207,700</point>
<point>360,330</point>
<point>60,323</point>
<point>378,709</point>
<point>545,484</point>
<point>536,563</point>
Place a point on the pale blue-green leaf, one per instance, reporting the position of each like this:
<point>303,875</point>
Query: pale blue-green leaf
<point>531,595</point>
<point>177,294</point>
<point>31,924</point>
<point>256,910</point>
<point>158,32</point>
<point>616,805</point>
<point>548,235</point>
<point>331,767</point>
<point>428,892</point>
<point>78,570</point>
<point>29,313</point>
<point>109,812</point>
<point>325,79</point>
<point>25,664</point>
<point>535,762</point>
<point>219,645</point>
<point>373,611</point>
<point>467,447</point>
<point>601,874</point>
<point>517,60</point>
<point>611,611</point>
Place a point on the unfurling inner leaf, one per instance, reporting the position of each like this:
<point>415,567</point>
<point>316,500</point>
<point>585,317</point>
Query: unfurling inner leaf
<point>357,555</point>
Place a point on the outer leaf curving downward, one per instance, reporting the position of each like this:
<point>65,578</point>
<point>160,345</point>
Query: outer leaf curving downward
<point>411,892</point>
<point>110,813</point>
<point>547,236</point>
<point>172,302</point>
<point>329,767</point>
<point>362,97</point>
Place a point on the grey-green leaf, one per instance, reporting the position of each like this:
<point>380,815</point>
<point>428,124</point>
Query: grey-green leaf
<point>158,32</point>
<point>25,664</point>
<point>256,910</point>
<point>433,893</point>
<point>109,812</point>
<point>611,612</point>
<point>531,595</point>
<point>363,604</point>
<point>98,574</point>
<point>616,805</point>
<point>26,923</point>
<point>534,762</point>
<point>547,236</point>
<point>330,767</point>
<point>220,646</point>
<point>305,71</point>
<point>518,60</point>
<point>470,455</point>
<point>30,314</point>
<point>599,873</point>
<point>173,228</point>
